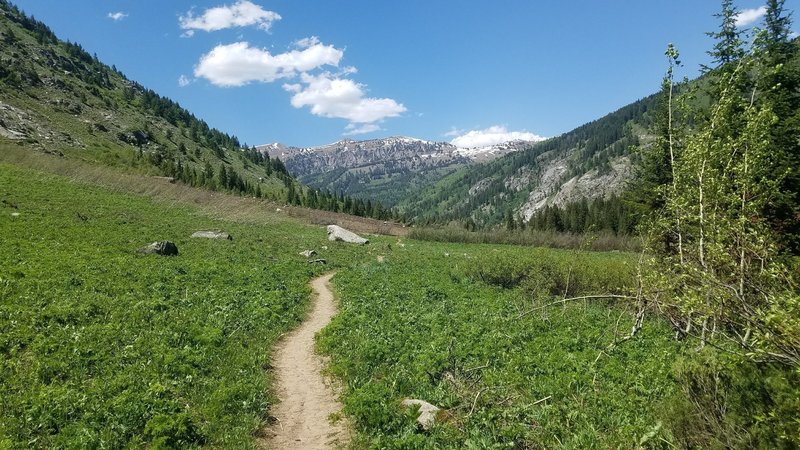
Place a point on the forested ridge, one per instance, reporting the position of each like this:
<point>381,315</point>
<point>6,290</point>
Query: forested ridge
<point>589,147</point>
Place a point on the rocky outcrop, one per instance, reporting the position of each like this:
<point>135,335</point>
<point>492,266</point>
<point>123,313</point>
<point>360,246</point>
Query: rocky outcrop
<point>337,233</point>
<point>553,190</point>
<point>163,248</point>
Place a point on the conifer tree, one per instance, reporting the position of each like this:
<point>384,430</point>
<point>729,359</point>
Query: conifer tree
<point>728,47</point>
<point>222,177</point>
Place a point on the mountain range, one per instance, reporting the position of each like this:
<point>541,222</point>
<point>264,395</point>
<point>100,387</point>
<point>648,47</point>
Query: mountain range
<point>387,169</point>
<point>438,182</point>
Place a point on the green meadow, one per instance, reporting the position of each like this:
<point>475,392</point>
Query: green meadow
<point>104,347</point>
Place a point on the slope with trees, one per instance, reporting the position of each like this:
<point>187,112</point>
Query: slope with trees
<point>57,98</point>
<point>526,181</point>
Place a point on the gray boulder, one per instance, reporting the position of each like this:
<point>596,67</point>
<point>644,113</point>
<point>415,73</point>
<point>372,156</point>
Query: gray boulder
<point>163,248</point>
<point>337,233</point>
<point>308,253</point>
<point>212,234</point>
<point>427,412</point>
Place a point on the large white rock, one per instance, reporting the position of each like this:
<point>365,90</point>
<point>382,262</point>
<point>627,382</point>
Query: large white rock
<point>212,234</point>
<point>427,412</point>
<point>337,233</point>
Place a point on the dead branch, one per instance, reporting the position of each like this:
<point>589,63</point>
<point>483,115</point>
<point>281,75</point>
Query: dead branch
<point>542,400</point>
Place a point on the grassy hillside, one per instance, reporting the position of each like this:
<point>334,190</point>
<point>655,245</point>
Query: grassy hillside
<point>57,98</point>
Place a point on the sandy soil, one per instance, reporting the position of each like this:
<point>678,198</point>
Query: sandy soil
<point>306,396</point>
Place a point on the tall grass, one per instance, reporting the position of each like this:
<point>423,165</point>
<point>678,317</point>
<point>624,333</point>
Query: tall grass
<point>602,241</point>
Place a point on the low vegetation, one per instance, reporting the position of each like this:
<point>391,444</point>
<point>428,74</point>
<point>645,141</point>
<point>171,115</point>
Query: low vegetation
<point>477,335</point>
<point>104,347</point>
<point>602,241</point>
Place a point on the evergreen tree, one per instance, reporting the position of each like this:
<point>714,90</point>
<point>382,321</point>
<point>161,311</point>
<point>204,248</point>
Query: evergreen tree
<point>778,70</point>
<point>778,24</point>
<point>222,177</point>
<point>511,223</point>
<point>728,47</point>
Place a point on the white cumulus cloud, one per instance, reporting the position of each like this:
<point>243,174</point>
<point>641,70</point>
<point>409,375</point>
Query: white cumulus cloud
<point>240,14</point>
<point>493,135</point>
<point>453,132</point>
<point>117,16</point>
<point>330,96</point>
<point>353,129</point>
<point>184,81</point>
<point>749,16</point>
<point>306,42</point>
<point>238,64</point>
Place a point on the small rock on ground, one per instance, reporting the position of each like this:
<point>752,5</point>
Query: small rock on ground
<point>163,248</point>
<point>427,412</point>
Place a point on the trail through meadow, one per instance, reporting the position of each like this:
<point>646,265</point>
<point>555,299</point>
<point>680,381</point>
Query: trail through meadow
<point>306,397</point>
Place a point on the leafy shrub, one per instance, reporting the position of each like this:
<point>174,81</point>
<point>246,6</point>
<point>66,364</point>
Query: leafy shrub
<point>729,403</point>
<point>172,431</point>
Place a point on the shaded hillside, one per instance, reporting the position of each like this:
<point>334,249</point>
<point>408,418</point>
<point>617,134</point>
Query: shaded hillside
<point>593,161</point>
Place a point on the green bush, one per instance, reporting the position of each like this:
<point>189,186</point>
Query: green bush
<point>724,402</point>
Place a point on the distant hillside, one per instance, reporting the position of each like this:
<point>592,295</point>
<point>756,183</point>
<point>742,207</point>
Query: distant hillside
<point>593,161</point>
<point>387,169</point>
<point>59,99</point>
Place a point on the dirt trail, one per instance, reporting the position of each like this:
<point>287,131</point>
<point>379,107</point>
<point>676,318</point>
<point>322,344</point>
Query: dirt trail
<point>306,397</point>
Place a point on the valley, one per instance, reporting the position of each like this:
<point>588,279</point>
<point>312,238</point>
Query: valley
<point>630,283</point>
<point>180,343</point>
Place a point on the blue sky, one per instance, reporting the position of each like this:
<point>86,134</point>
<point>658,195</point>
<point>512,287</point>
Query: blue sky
<point>312,72</point>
